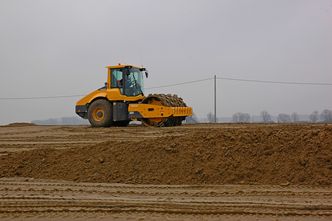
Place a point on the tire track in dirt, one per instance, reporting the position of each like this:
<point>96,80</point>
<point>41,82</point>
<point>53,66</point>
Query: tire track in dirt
<point>22,138</point>
<point>46,197</point>
<point>165,190</point>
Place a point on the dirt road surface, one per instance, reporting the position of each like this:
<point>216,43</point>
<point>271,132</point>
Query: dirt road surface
<point>26,198</point>
<point>195,172</point>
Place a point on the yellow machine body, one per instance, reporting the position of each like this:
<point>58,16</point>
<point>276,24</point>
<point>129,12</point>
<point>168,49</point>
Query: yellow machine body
<point>109,94</point>
<point>156,111</point>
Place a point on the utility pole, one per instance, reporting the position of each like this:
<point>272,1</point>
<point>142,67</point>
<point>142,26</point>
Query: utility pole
<point>215,99</point>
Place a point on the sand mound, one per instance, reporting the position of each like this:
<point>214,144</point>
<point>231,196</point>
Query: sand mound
<point>20,124</point>
<point>259,155</point>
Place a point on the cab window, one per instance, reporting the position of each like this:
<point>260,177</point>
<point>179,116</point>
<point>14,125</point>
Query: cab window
<point>117,79</point>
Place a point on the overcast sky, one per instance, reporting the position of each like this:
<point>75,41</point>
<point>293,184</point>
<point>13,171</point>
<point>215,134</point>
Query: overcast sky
<point>61,47</point>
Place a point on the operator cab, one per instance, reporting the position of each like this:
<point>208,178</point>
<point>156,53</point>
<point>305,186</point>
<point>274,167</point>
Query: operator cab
<point>128,79</point>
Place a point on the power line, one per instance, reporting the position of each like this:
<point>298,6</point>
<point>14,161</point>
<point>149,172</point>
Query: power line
<point>182,83</point>
<point>177,84</point>
<point>80,95</point>
<point>35,98</point>
<point>276,82</point>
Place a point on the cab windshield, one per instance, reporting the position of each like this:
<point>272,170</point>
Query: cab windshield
<point>133,82</point>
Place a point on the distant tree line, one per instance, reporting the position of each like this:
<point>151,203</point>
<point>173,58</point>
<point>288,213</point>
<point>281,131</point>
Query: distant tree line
<point>325,116</point>
<point>241,117</point>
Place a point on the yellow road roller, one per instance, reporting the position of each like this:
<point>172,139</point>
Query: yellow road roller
<point>122,100</point>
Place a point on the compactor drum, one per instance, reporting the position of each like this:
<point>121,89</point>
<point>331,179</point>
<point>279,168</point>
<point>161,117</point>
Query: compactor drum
<point>168,101</point>
<point>122,100</point>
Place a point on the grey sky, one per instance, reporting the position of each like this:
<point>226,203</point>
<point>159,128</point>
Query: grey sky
<point>61,48</point>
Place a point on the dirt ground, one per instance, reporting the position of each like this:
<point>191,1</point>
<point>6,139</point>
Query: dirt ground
<point>193,172</point>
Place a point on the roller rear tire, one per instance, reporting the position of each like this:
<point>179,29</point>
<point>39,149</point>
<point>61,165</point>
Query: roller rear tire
<point>100,113</point>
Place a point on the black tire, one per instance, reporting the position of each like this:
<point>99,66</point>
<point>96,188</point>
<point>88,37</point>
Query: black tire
<point>123,123</point>
<point>100,113</point>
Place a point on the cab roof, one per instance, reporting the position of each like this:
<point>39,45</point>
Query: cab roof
<point>123,66</point>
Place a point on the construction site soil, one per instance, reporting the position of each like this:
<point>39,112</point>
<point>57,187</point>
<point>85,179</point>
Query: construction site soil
<point>229,154</point>
<point>189,172</point>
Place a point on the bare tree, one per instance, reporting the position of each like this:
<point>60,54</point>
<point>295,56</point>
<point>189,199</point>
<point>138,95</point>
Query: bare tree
<point>266,117</point>
<point>326,116</point>
<point>313,117</point>
<point>284,118</point>
<point>295,117</point>
<point>241,117</point>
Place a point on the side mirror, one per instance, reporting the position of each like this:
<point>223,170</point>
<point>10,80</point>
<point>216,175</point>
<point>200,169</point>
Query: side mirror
<point>146,74</point>
<point>106,84</point>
